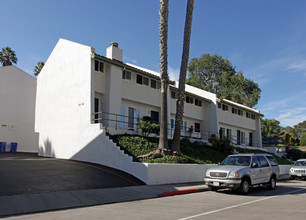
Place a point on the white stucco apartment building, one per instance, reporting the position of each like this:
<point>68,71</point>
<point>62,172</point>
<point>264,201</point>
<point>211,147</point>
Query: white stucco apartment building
<point>82,95</point>
<point>17,109</point>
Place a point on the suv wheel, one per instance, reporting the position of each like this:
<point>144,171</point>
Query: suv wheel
<point>272,183</point>
<point>244,186</point>
<point>212,188</point>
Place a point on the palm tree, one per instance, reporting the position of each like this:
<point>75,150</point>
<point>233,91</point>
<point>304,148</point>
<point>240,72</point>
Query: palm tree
<point>7,56</point>
<point>163,41</point>
<point>181,90</point>
<point>38,68</point>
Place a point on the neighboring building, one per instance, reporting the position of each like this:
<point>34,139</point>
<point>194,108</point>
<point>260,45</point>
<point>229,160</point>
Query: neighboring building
<point>78,89</point>
<point>17,109</point>
<point>239,123</point>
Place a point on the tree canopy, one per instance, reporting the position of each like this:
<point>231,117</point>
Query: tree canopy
<point>297,133</point>
<point>270,128</point>
<point>38,68</point>
<point>216,74</point>
<point>8,56</point>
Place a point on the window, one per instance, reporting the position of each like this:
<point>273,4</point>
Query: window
<point>155,117</point>
<point>238,137</point>
<point>153,84</point>
<point>253,116</point>
<point>131,118</point>
<point>172,123</point>
<point>122,116</point>
<point>139,79</point>
<point>222,133</point>
<point>248,115</point>
<point>198,102</point>
<point>250,139</point>
<point>225,108</point>
<point>189,99</point>
<point>197,127</point>
<point>240,112</point>
<point>145,81</point>
<point>242,137</point>
<point>99,66</point>
<point>255,160</point>
<point>158,85</point>
<point>219,105</point>
<point>96,65</point>
<point>229,133</point>
<point>173,95</point>
<point>272,160</point>
<point>126,75</point>
<point>184,126</point>
<point>262,161</point>
<point>234,111</point>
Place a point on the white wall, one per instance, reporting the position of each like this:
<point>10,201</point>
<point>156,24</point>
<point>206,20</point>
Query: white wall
<point>175,173</point>
<point>64,101</point>
<point>140,93</point>
<point>227,117</point>
<point>17,109</point>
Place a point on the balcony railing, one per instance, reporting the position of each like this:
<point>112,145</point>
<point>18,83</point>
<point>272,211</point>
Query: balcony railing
<point>124,122</point>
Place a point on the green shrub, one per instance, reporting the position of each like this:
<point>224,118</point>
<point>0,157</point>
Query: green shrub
<point>167,159</point>
<point>136,146</point>
<point>295,154</point>
<point>198,152</point>
<point>222,145</point>
<point>146,127</point>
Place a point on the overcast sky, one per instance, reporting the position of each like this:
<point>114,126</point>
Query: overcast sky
<point>265,39</point>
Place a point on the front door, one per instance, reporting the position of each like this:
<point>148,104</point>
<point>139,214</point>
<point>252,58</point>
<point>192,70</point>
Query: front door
<point>96,110</point>
<point>131,118</point>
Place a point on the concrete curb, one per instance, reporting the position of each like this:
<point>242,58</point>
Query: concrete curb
<point>177,192</point>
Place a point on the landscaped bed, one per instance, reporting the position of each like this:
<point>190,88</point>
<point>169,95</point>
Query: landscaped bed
<point>195,153</point>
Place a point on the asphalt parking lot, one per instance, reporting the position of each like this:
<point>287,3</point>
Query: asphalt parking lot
<point>26,173</point>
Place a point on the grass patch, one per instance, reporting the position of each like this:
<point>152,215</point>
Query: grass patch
<point>196,152</point>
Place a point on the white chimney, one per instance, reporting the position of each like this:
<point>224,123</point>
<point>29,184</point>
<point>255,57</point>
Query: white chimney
<point>114,52</point>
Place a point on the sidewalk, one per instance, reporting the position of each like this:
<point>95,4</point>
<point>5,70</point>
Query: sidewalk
<point>29,203</point>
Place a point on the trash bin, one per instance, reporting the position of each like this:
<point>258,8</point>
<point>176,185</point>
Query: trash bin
<point>2,146</point>
<point>13,147</point>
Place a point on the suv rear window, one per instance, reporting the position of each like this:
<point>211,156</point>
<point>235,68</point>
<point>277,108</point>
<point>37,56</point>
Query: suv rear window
<point>272,160</point>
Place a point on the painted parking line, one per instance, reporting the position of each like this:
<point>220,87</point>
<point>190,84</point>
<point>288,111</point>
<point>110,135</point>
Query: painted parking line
<point>241,204</point>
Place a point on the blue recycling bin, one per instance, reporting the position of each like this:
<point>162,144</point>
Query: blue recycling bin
<point>2,146</point>
<point>13,147</point>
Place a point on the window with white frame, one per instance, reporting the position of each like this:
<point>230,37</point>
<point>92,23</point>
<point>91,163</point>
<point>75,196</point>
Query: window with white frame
<point>225,107</point>
<point>240,112</point>
<point>173,95</point>
<point>234,110</point>
<point>126,75</point>
<point>189,100</point>
<point>99,66</point>
<point>198,102</point>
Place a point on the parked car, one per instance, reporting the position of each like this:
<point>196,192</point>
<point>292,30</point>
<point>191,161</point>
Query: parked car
<point>242,171</point>
<point>298,171</point>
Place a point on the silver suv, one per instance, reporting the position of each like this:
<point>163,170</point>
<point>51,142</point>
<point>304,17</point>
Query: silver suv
<point>241,171</point>
<point>298,171</point>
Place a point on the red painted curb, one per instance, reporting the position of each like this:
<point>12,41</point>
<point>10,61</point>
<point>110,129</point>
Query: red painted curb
<point>178,192</point>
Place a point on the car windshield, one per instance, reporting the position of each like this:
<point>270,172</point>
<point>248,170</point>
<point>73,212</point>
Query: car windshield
<point>300,163</point>
<point>237,161</point>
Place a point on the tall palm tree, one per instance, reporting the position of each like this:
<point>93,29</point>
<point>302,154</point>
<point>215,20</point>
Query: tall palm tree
<point>7,56</point>
<point>163,41</point>
<point>38,68</point>
<point>181,90</point>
